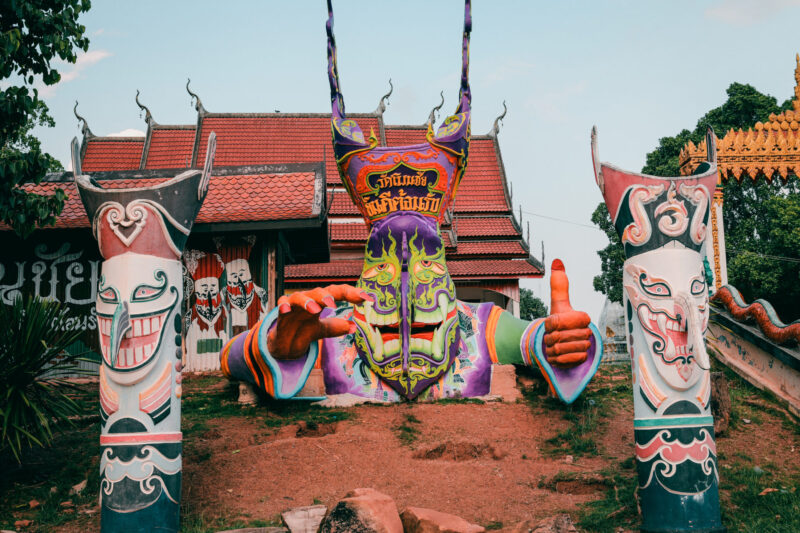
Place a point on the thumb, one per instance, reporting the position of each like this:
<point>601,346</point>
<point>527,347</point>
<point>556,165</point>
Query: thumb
<point>559,288</point>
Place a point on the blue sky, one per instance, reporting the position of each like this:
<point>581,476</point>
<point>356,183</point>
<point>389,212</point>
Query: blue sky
<point>639,70</point>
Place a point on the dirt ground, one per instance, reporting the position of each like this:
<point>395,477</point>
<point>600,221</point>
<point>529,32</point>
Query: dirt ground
<point>491,463</point>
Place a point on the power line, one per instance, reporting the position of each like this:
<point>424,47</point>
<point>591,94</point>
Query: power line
<point>562,220</point>
<point>768,256</point>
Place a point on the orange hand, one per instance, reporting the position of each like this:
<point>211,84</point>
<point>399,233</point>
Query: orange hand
<point>299,323</point>
<point>567,331</point>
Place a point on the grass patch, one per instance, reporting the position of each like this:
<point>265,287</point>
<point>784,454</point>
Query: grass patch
<point>618,506</point>
<point>408,431</point>
<point>493,526</point>
<point>756,501</point>
<point>586,416</point>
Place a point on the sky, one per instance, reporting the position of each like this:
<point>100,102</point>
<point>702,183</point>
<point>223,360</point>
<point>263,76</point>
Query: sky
<point>638,70</point>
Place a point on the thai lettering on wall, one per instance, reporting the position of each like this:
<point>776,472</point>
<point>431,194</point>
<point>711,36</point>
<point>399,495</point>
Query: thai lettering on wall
<point>62,271</point>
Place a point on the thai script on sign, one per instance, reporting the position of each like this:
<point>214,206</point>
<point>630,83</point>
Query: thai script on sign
<point>386,203</point>
<point>398,179</point>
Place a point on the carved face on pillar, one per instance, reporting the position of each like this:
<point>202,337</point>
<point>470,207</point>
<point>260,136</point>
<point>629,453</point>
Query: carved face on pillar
<point>669,305</point>
<point>409,334</point>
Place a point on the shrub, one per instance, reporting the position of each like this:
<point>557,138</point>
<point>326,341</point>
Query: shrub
<point>33,363</point>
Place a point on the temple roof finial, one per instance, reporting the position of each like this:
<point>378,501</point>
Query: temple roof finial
<point>198,105</point>
<point>85,127</point>
<point>148,117</point>
<point>496,126</point>
<point>384,100</point>
<point>432,116</point>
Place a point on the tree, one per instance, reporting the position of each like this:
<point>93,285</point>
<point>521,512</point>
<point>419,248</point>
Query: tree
<point>757,215</point>
<point>32,34</point>
<point>531,306</point>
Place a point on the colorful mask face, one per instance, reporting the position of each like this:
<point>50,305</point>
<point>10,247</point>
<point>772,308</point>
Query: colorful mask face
<point>208,303</point>
<point>669,310</point>
<point>240,283</point>
<point>136,297</point>
<point>409,334</point>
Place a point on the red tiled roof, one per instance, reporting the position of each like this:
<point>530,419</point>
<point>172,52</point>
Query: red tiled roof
<point>493,248</point>
<point>350,269</point>
<point>275,139</point>
<point>112,153</point>
<point>481,188</point>
<point>230,198</point>
<point>342,204</point>
<point>170,148</point>
<point>404,136</point>
<point>485,227</point>
<point>356,231</point>
<point>476,268</point>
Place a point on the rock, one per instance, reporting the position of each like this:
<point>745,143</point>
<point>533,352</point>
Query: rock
<point>504,383</point>
<point>344,400</point>
<point>363,511</point>
<point>33,504</point>
<point>67,504</point>
<point>304,519</point>
<point>720,403</point>
<point>247,394</point>
<point>418,520</point>
<point>555,524</point>
<point>77,489</point>
<point>23,523</point>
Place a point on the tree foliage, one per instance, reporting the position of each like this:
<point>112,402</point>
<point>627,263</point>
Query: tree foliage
<point>757,215</point>
<point>33,34</point>
<point>531,306</point>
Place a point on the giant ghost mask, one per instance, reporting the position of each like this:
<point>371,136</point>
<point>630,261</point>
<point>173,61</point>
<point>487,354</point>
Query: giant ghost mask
<point>409,335</point>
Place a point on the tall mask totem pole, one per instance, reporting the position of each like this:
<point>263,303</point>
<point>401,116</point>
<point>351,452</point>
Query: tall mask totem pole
<point>662,223</point>
<point>141,233</point>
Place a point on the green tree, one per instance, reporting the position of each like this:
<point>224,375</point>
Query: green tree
<point>757,215</point>
<point>32,34</point>
<point>531,306</point>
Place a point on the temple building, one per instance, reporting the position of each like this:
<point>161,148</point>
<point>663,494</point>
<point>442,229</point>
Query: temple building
<point>277,219</point>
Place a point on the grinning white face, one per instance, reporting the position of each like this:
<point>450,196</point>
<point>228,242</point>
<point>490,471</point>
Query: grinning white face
<point>669,296</point>
<point>136,296</point>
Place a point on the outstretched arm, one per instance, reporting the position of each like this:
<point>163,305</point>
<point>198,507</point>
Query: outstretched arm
<point>564,346</point>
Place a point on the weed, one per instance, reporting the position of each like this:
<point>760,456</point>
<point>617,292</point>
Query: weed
<point>407,432</point>
<point>748,507</point>
<point>618,506</point>
<point>493,525</point>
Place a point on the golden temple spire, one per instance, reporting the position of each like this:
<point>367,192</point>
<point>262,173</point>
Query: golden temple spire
<point>796,102</point>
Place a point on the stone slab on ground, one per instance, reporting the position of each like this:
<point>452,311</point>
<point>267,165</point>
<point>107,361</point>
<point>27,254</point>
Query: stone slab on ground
<point>419,520</point>
<point>363,511</point>
<point>304,519</point>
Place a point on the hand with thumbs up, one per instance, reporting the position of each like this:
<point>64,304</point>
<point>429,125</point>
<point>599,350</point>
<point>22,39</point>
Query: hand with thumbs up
<point>567,331</point>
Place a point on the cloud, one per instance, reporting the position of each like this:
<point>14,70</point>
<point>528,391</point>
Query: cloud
<point>130,132</point>
<point>747,12</point>
<point>101,31</point>
<point>84,61</point>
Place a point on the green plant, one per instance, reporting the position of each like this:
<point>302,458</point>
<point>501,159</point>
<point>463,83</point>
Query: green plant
<point>33,362</point>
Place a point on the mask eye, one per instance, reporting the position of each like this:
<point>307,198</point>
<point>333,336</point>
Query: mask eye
<point>657,288</point>
<point>386,271</point>
<point>698,287</point>
<point>108,295</point>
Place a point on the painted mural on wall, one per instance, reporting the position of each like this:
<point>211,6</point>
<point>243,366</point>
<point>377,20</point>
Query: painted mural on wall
<point>246,301</point>
<point>141,233</point>
<point>223,299</point>
<point>662,223</point>
<point>401,334</point>
<point>208,317</point>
